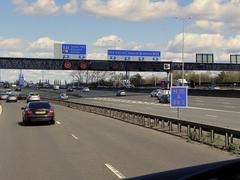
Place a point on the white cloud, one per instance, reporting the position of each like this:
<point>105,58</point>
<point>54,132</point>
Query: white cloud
<point>15,54</point>
<point>132,10</point>
<point>140,10</point>
<point>39,7</point>
<point>113,41</point>
<point>108,41</point>
<point>10,44</point>
<point>233,45</point>
<point>97,56</point>
<point>209,26</point>
<point>71,7</point>
<point>208,16</point>
<point>42,44</point>
<point>196,42</point>
<point>214,9</point>
<point>217,44</point>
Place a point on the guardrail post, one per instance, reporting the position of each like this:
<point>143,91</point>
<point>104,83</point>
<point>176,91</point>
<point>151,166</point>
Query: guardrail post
<point>227,140</point>
<point>148,122</point>
<point>155,122</point>
<point>231,138</point>
<point>143,121</point>
<point>179,128</point>
<point>212,136</point>
<point>170,125</point>
<point>188,130</point>
<point>162,124</point>
<point>200,133</point>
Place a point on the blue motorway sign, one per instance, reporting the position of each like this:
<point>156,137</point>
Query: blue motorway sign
<point>134,53</point>
<point>179,97</point>
<point>129,55</point>
<point>21,80</point>
<point>74,49</point>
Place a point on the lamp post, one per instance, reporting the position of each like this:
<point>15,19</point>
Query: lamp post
<point>183,19</point>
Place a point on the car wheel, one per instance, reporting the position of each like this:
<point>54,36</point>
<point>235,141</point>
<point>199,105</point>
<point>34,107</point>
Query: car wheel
<point>25,123</point>
<point>52,122</point>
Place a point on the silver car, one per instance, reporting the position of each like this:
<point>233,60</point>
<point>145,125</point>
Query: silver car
<point>154,92</point>
<point>4,96</point>
<point>162,92</point>
<point>11,98</point>
<point>63,96</point>
<point>121,93</point>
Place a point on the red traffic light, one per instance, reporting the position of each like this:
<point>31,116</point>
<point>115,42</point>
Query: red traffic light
<point>115,66</point>
<point>83,65</point>
<point>67,65</point>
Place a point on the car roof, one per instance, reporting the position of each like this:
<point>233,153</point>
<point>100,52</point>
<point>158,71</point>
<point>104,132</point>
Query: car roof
<point>38,102</point>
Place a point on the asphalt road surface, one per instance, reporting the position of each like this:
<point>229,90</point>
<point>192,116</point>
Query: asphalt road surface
<point>220,103</point>
<point>86,146</point>
<point>223,112</point>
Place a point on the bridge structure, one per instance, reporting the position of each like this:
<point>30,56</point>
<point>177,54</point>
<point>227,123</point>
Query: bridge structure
<point>106,65</point>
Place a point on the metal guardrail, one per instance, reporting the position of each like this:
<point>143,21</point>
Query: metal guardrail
<point>183,128</point>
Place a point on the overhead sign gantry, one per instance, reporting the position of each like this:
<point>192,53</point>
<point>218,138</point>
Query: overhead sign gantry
<point>104,65</point>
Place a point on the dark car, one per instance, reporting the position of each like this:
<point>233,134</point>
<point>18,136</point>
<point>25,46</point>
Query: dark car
<point>22,97</point>
<point>165,98</point>
<point>69,89</point>
<point>40,111</point>
<point>18,88</point>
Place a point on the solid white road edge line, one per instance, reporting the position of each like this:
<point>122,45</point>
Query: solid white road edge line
<point>115,171</point>
<point>75,137</point>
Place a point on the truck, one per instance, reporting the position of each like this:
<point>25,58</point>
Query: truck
<point>182,82</point>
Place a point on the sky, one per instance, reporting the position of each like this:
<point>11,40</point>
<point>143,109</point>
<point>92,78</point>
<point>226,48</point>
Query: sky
<point>29,28</point>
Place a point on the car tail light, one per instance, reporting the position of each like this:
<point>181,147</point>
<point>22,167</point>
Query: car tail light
<point>29,112</point>
<point>51,112</point>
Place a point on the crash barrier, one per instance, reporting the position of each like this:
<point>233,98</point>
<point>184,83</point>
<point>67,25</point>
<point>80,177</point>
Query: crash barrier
<point>215,93</point>
<point>220,137</point>
<point>191,92</point>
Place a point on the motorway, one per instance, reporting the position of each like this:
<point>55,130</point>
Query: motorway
<point>217,111</point>
<point>87,146</point>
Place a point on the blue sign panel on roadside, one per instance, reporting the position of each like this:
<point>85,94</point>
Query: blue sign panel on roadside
<point>74,49</point>
<point>179,97</point>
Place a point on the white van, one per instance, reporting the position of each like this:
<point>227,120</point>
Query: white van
<point>56,87</point>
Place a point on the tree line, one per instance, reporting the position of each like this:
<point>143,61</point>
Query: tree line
<point>106,78</point>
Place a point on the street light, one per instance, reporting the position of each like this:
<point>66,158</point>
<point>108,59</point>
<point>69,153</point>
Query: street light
<point>183,19</point>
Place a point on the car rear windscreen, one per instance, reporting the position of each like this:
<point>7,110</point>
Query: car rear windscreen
<point>39,105</point>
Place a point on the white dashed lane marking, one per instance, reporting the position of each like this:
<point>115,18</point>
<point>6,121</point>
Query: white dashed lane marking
<point>75,137</point>
<point>229,107</point>
<point>115,171</point>
<point>158,104</point>
<point>209,115</point>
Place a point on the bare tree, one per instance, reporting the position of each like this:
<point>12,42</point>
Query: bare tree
<point>78,76</point>
<point>91,76</point>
